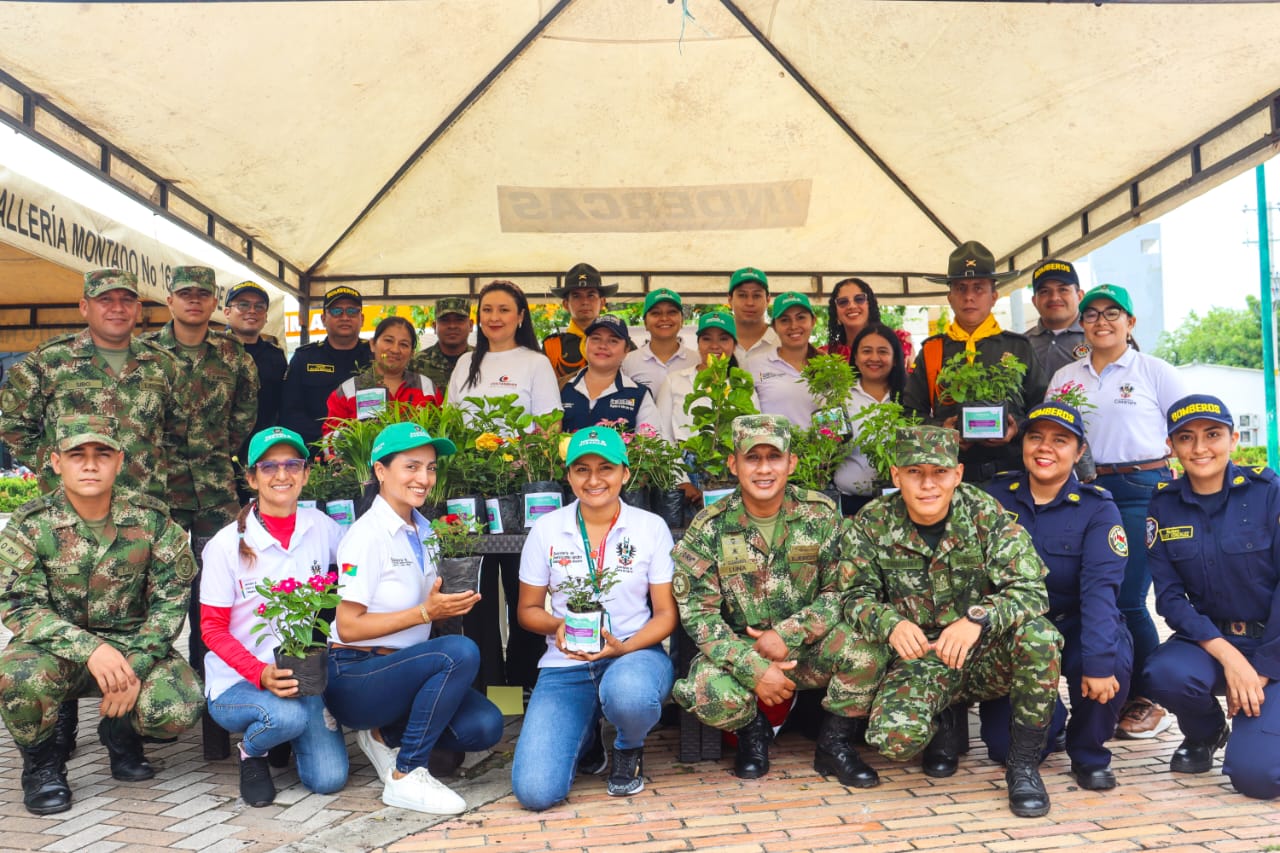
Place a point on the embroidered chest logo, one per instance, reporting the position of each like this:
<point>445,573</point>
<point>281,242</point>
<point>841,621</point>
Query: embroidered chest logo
<point>626,553</point>
<point>1081,351</point>
<point>1126,391</point>
<point>316,568</point>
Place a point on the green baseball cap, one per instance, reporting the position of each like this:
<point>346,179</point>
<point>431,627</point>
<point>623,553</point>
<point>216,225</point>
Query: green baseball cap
<point>1114,292</point>
<point>98,282</point>
<point>662,294</point>
<point>268,438</point>
<point>201,277</point>
<point>747,274</point>
<point>927,445</point>
<point>790,299</point>
<point>751,430</point>
<point>75,431</point>
<point>407,436</point>
<point>721,320</point>
<point>600,441</point>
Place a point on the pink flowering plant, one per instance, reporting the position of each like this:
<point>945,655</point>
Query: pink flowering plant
<point>655,462</point>
<point>1073,394</point>
<point>291,611</point>
<point>820,450</point>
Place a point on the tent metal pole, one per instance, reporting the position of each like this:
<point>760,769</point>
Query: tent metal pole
<point>1268,319</point>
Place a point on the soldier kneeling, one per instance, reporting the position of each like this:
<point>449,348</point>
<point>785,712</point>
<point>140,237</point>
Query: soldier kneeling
<point>956,589</point>
<point>758,579</point>
<point>94,585</point>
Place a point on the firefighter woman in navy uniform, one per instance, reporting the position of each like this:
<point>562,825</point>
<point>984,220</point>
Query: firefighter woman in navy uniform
<point>1077,531</point>
<point>1213,541</point>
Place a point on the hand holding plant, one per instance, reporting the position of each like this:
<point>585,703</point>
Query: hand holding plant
<point>291,611</point>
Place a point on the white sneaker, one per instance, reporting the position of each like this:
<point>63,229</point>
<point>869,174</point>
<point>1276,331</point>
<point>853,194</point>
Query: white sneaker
<point>422,792</point>
<point>381,756</point>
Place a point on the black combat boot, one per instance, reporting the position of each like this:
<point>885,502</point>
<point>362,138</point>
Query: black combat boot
<point>754,738</point>
<point>124,748</point>
<point>65,731</point>
<point>942,756</point>
<point>1196,756</point>
<point>1027,796</point>
<point>836,756</point>
<point>44,781</point>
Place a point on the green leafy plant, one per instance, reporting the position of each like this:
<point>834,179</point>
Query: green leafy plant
<point>291,611</point>
<point>720,394</point>
<point>15,491</point>
<point>330,481</point>
<point>877,434</point>
<point>351,440</point>
<point>655,462</point>
<point>582,596</point>
<point>830,380</point>
<point>456,535</point>
<point>819,450</point>
<point>537,447</point>
<point>964,379</point>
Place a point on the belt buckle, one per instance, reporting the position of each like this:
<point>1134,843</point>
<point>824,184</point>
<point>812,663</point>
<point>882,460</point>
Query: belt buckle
<point>1238,629</point>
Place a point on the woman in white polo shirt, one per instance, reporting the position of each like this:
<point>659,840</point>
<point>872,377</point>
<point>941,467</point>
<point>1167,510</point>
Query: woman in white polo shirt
<point>595,536</point>
<point>388,677</point>
<point>781,388</point>
<point>271,539</point>
<point>1130,393</point>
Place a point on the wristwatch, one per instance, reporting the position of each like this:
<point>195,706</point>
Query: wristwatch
<point>978,615</point>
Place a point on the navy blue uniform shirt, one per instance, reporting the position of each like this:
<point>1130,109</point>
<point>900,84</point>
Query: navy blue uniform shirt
<point>1216,558</point>
<point>1081,539</point>
<point>620,404</point>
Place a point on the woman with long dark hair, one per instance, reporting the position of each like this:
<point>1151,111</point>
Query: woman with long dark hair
<point>850,309</point>
<point>388,379</point>
<point>882,374</point>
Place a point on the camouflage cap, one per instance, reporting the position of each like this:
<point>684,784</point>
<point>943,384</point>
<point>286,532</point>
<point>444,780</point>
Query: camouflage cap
<point>98,282</point>
<point>750,430</point>
<point>185,277</point>
<point>927,445</point>
<point>457,305</point>
<point>76,430</point>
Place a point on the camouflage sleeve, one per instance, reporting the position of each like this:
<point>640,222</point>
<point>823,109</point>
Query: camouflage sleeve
<point>815,621</point>
<point>176,420</point>
<point>22,413</point>
<point>244,410</point>
<point>1016,571</point>
<point>169,577</point>
<point>864,594</point>
<point>25,605</point>
<point>697,590</point>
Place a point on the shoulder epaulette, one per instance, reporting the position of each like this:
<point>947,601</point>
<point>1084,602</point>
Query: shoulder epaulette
<point>1261,473</point>
<point>57,340</point>
<point>1099,490</point>
<point>1162,485</point>
<point>30,508</point>
<point>308,345</point>
<point>146,501</point>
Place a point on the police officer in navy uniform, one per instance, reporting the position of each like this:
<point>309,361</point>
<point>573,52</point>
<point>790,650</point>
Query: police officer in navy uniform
<point>1213,543</point>
<point>1077,531</point>
<point>317,368</point>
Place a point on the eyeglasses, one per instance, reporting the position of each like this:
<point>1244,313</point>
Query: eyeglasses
<point>247,307</point>
<point>292,467</point>
<point>350,310</point>
<point>857,299</point>
<point>1091,315</point>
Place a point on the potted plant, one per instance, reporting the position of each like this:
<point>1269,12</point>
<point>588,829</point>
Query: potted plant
<point>538,446</point>
<point>585,619</point>
<point>830,380</point>
<point>1073,394</point>
<point>656,465</point>
<point>819,451</point>
<point>982,391</point>
<point>454,549</point>
<point>720,393</point>
<point>876,437</point>
<point>292,613</point>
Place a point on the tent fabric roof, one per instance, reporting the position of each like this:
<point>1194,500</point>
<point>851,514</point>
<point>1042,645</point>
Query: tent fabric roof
<point>417,148</point>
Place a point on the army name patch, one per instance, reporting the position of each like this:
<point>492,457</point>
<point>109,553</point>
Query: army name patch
<point>1116,539</point>
<point>320,368</point>
<point>1173,534</point>
<point>15,556</point>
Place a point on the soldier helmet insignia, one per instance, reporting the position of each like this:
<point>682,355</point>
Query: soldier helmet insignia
<point>927,445</point>
<point>750,430</point>
<point>77,430</point>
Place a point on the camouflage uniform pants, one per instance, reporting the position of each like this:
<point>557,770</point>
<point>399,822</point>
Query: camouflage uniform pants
<point>33,683</point>
<point>847,665</point>
<point>1023,663</point>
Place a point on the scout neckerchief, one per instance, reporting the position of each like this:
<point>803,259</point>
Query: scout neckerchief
<point>986,329</point>
<point>595,559</point>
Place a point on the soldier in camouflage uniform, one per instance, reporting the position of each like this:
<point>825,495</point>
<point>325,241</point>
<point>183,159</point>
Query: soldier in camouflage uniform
<point>955,588</point>
<point>757,581</point>
<point>452,325</point>
<point>105,370</point>
<point>94,585</point>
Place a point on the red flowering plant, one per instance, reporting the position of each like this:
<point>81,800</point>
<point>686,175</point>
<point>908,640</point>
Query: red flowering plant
<point>820,450</point>
<point>455,535</point>
<point>291,611</point>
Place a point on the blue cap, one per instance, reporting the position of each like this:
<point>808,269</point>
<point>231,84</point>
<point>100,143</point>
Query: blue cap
<point>1197,407</point>
<point>612,323</point>
<point>1062,414</point>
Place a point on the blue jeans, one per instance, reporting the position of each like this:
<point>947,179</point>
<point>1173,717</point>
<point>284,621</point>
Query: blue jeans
<point>567,702</point>
<point>423,693</point>
<point>267,721</point>
<point>1132,493</point>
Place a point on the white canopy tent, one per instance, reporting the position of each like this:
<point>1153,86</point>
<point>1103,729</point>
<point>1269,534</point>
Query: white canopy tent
<point>419,148</point>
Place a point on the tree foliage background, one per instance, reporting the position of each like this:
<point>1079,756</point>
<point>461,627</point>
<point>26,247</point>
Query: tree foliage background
<point>1229,336</point>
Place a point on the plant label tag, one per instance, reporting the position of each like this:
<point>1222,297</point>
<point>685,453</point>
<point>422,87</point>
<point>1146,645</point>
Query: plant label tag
<point>465,507</point>
<point>982,422</point>
<point>540,503</point>
<point>341,511</point>
<point>370,402</point>
<point>494,515</point>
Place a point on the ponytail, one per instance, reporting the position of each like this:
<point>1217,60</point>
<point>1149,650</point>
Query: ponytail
<point>246,553</point>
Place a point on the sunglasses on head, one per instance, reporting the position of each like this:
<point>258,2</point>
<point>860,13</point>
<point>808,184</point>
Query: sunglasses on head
<point>350,310</point>
<point>856,299</point>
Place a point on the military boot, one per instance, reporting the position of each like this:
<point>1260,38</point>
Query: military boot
<point>754,738</point>
<point>124,748</point>
<point>836,756</point>
<point>1027,796</point>
<point>942,756</point>
<point>44,781</point>
<point>65,731</point>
